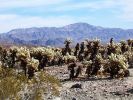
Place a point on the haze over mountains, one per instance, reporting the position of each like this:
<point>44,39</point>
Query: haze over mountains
<point>54,36</point>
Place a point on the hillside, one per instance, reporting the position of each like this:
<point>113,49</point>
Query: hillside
<point>55,36</point>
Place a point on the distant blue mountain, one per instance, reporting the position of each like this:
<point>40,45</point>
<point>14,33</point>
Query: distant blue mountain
<point>54,36</point>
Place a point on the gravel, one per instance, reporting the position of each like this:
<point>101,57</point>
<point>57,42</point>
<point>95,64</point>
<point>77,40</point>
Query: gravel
<point>93,88</point>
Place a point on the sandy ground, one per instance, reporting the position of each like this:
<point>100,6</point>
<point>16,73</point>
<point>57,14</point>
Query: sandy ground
<point>93,88</point>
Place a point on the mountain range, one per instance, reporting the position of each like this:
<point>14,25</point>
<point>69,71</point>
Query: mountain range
<point>55,36</point>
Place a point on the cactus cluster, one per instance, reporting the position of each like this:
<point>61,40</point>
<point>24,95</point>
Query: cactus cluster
<point>19,64</point>
<point>112,59</point>
<point>110,56</point>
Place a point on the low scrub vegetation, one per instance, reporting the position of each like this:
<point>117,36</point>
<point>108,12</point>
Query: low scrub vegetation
<point>22,69</point>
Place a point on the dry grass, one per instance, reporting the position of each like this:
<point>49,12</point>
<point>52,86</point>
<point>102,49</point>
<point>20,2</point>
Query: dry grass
<point>12,83</point>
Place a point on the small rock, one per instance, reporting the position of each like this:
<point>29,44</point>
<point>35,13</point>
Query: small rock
<point>118,93</point>
<point>73,98</point>
<point>77,85</point>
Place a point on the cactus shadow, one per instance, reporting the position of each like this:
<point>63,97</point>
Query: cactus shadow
<point>86,79</point>
<point>130,91</point>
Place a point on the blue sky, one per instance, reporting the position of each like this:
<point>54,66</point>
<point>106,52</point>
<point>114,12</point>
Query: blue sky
<point>40,13</point>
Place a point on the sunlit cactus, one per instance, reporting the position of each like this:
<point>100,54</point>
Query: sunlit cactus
<point>95,48</point>
<point>117,62</point>
<point>96,65</point>
<point>69,58</point>
<point>114,58</point>
<point>115,48</point>
<point>88,65</point>
<point>12,56</point>
<point>32,66</point>
<point>129,57</point>
<point>34,63</point>
<point>103,51</point>
<point>23,53</point>
<point>130,42</point>
<point>124,46</point>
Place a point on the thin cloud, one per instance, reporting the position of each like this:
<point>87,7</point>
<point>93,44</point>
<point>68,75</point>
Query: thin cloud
<point>90,5</point>
<point>63,12</point>
<point>127,10</point>
<point>17,21</point>
<point>28,3</point>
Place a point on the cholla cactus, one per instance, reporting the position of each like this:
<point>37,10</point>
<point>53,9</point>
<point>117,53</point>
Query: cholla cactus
<point>67,46</point>
<point>57,54</point>
<point>32,66</point>
<point>118,59</point>
<point>116,55</point>
<point>33,63</point>
<point>46,56</point>
<point>123,42</point>
<point>95,48</point>
<point>130,42</point>
<point>96,39</point>
<point>87,63</point>
<point>69,58</point>
<point>117,63</point>
<point>76,49</point>
<point>111,41</point>
<point>14,48</point>
<point>45,51</point>
<point>99,58</point>
<point>68,40</point>
<point>102,51</point>
<point>129,57</point>
<point>0,66</point>
<point>96,65</point>
<point>23,53</point>
<point>124,46</point>
<point>115,48</point>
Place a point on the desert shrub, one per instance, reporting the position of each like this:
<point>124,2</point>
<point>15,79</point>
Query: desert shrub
<point>41,85</point>
<point>9,87</point>
<point>10,84</point>
<point>17,86</point>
